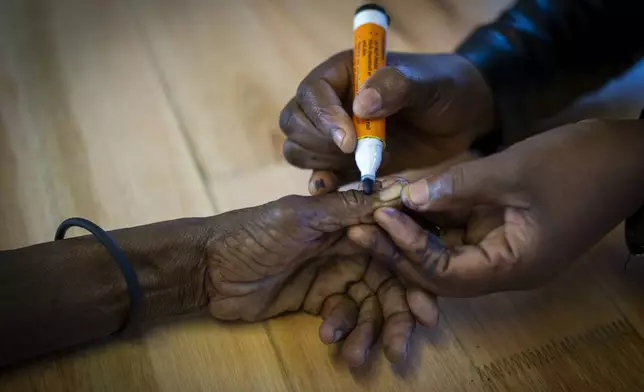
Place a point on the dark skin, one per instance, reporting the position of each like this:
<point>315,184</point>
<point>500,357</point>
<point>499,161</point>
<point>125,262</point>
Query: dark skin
<point>530,211</point>
<point>249,265</point>
<point>436,105</point>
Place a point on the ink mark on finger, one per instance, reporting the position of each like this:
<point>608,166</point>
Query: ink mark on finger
<point>433,254</point>
<point>390,211</point>
<point>319,184</point>
<point>434,243</point>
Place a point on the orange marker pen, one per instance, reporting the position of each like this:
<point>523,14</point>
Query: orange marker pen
<point>370,24</point>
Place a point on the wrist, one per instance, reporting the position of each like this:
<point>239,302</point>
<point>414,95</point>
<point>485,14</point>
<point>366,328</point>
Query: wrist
<point>75,289</point>
<point>170,262</point>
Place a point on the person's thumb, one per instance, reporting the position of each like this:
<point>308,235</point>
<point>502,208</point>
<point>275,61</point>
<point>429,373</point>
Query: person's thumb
<point>390,89</point>
<point>483,181</point>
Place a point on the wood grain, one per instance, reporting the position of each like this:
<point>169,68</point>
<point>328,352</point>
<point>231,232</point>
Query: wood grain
<point>89,131</point>
<point>134,111</point>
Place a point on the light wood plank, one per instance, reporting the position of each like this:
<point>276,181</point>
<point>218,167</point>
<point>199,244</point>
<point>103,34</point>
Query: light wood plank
<point>136,111</point>
<point>622,281</point>
<point>230,67</point>
<point>547,338</point>
<point>436,362</point>
<point>87,130</point>
<point>290,37</point>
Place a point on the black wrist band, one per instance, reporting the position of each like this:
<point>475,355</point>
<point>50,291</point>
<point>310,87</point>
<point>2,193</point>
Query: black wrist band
<point>133,285</point>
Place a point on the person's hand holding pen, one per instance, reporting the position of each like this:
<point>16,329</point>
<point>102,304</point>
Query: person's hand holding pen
<point>436,105</point>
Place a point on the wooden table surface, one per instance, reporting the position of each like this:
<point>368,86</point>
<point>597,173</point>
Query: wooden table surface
<point>134,111</point>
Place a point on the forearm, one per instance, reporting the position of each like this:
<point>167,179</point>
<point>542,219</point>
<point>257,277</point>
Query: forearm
<point>59,294</point>
<point>599,165</point>
<point>539,56</point>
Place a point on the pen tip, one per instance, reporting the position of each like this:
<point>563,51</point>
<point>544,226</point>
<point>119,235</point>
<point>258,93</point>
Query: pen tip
<point>367,186</point>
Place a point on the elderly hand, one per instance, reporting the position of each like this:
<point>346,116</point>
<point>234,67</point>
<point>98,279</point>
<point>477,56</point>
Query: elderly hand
<point>257,257</point>
<point>533,209</point>
<point>293,253</point>
<point>358,299</point>
<point>436,105</point>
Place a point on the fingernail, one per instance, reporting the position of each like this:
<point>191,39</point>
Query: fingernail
<point>416,194</point>
<point>337,335</point>
<point>338,136</point>
<point>319,184</point>
<point>367,102</point>
<point>316,186</point>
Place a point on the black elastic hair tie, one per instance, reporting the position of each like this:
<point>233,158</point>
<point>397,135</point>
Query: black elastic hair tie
<point>133,285</point>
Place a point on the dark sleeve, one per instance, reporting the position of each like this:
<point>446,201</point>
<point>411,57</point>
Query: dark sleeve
<point>634,227</point>
<point>540,55</point>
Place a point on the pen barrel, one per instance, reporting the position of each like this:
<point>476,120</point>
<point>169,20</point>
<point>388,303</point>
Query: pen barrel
<point>370,25</point>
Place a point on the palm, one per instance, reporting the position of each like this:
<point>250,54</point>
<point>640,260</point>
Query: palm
<point>493,231</point>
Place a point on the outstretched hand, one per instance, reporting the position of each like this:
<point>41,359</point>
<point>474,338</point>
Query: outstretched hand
<point>294,254</point>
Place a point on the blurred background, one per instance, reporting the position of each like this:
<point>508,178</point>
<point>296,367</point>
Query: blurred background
<point>133,111</point>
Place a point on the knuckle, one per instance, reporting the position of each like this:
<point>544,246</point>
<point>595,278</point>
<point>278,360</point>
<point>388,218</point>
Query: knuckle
<point>398,83</point>
<point>359,292</point>
<point>436,263</point>
<point>352,198</point>
<point>453,183</point>
<point>386,286</point>
<point>341,57</point>
<point>293,154</point>
<point>400,77</point>
<point>285,208</point>
<point>304,91</point>
<point>286,117</point>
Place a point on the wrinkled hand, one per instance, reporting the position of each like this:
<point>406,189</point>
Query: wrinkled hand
<point>358,300</point>
<point>258,256</point>
<point>531,211</point>
<point>293,253</point>
<point>436,105</point>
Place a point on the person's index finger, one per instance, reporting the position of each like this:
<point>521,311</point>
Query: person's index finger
<point>459,271</point>
<point>472,270</point>
<point>323,107</point>
<point>320,97</point>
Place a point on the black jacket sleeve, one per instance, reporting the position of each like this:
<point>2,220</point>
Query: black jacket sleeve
<point>540,55</point>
